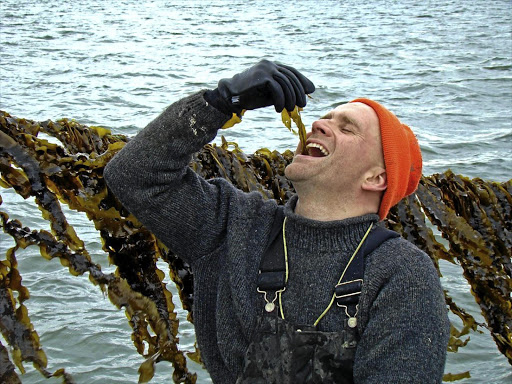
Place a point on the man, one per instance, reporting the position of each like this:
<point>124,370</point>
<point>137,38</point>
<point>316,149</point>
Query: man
<point>296,322</point>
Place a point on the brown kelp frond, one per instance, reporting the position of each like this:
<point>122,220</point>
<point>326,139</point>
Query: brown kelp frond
<point>450,217</point>
<point>53,176</point>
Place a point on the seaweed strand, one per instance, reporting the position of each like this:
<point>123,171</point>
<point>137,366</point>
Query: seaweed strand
<point>450,217</point>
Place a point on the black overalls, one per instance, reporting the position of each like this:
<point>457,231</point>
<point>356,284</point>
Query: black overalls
<point>284,353</point>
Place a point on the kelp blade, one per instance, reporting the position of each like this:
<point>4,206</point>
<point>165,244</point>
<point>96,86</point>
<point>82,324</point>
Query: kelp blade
<point>473,216</point>
<point>287,117</point>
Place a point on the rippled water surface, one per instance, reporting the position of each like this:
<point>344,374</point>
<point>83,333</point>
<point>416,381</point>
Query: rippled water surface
<point>445,68</point>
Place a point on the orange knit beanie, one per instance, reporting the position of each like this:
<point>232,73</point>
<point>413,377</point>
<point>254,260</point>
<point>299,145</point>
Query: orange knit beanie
<point>402,157</point>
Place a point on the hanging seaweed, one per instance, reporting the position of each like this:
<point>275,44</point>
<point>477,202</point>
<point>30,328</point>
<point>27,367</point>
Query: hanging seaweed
<point>473,216</point>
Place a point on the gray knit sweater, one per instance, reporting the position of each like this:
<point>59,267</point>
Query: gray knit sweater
<point>222,233</point>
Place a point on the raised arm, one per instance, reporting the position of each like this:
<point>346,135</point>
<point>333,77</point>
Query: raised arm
<point>151,174</point>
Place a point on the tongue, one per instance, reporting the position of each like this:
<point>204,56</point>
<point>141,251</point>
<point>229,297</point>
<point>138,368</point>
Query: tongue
<point>315,152</point>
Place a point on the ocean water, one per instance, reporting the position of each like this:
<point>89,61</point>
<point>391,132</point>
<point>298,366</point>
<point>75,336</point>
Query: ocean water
<point>445,68</point>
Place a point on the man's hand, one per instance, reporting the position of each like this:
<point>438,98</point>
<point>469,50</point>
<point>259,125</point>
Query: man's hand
<point>262,85</point>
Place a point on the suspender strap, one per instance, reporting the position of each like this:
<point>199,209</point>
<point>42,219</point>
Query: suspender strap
<point>349,290</point>
<point>272,276</point>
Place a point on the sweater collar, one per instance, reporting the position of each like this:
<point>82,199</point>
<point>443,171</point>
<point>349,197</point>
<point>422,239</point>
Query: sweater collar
<point>325,236</point>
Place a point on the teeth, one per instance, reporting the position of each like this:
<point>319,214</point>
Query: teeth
<point>324,151</point>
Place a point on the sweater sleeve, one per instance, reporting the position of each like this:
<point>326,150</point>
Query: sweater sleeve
<point>405,326</point>
<point>152,179</point>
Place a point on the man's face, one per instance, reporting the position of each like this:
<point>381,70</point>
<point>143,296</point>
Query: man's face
<point>342,146</point>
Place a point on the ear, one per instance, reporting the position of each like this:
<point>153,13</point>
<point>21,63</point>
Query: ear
<point>375,180</point>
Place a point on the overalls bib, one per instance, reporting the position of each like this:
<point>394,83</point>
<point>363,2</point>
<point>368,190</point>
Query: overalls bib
<point>284,353</point>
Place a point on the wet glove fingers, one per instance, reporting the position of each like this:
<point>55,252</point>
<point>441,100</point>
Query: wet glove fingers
<point>288,92</point>
<point>265,84</point>
<point>307,85</point>
<point>298,89</point>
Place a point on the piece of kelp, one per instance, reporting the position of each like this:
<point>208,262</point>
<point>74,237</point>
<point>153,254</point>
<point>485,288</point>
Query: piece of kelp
<point>287,117</point>
<point>72,173</point>
<point>473,217</point>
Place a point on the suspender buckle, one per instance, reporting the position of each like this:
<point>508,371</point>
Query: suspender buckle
<point>271,281</point>
<point>347,293</point>
<point>270,305</point>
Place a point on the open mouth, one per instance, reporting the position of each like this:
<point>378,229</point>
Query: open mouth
<point>317,150</point>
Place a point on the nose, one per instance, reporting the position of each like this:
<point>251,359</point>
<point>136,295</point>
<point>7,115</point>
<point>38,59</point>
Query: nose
<point>320,127</point>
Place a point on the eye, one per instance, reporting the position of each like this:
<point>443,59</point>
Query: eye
<point>345,129</point>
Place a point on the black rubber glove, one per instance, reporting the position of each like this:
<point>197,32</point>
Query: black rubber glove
<point>264,84</point>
